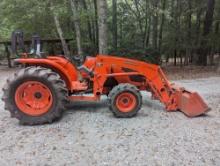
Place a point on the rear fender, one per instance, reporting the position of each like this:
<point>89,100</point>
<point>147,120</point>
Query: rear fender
<point>62,66</point>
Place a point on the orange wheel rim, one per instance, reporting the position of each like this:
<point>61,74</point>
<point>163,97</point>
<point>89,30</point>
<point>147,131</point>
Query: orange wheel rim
<point>33,98</point>
<point>126,102</point>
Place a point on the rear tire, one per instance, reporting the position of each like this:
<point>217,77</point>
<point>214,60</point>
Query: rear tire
<point>35,89</point>
<point>125,101</point>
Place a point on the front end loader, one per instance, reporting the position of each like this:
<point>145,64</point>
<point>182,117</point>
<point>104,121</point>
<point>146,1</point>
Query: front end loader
<point>39,92</point>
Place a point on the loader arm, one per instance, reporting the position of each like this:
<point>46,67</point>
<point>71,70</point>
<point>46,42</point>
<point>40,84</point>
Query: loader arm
<point>173,97</point>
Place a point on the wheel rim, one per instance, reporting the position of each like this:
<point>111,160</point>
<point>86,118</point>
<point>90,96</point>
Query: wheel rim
<point>126,102</point>
<point>33,98</point>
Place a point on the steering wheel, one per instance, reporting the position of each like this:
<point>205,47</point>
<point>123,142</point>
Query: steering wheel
<point>79,59</point>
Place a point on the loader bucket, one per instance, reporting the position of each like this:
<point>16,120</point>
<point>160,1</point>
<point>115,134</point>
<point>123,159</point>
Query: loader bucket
<point>191,104</point>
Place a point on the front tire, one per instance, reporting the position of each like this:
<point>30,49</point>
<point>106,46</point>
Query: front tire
<point>35,95</point>
<point>125,101</point>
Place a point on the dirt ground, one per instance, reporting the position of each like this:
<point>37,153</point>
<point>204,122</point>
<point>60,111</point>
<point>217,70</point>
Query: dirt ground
<point>88,134</point>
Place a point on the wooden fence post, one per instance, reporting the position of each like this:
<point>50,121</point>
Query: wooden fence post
<point>8,56</point>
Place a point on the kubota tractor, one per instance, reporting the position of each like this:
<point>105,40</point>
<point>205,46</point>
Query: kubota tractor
<point>38,93</point>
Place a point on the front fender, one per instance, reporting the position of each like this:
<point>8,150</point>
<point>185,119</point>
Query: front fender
<point>60,65</point>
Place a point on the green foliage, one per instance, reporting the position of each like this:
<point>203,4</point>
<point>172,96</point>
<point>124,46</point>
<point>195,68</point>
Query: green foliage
<point>136,25</point>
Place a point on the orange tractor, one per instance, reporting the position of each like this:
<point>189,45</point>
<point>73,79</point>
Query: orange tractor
<point>38,93</point>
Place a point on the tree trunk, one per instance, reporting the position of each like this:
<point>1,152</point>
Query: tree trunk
<point>96,25</point>
<point>138,15</point>
<point>175,57</point>
<point>203,50</point>
<point>172,23</point>
<point>89,26</point>
<point>147,25</point>
<point>60,32</point>
<point>194,56</point>
<point>114,25</point>
<point>209,17</point>
<point>8,56</point>
<point>177,19</point>
<point>102,20</point>
<point>181,60</point>
<point>217,27</point>
<point>167,58</point>
<point>198,26</point>
<point>148,34</point>
<point>189,28</point>
<point>76,20</point>
<point>218,69</point>
<point>155,25</point>
<point>162,25</point>
<point>121,33</point>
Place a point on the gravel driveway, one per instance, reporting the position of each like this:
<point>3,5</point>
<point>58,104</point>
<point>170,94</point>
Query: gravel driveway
<point>88,134</point>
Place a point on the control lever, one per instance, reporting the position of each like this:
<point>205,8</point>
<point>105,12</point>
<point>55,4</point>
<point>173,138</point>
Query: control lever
<point>86,70</point>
